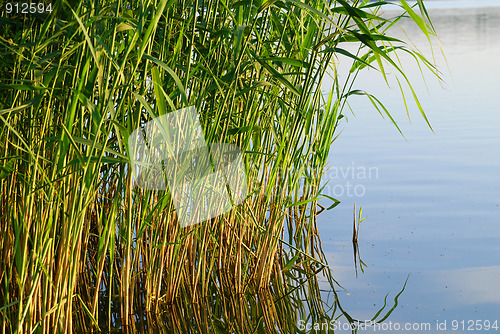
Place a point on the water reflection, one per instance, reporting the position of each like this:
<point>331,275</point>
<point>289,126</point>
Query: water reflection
<point>469,286</point>
<point>433,211</point>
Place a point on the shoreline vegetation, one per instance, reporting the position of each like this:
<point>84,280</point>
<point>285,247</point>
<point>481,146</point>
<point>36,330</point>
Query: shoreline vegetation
<point>84,250</point>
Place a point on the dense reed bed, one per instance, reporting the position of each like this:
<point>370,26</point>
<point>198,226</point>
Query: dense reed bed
<point>83,249</point>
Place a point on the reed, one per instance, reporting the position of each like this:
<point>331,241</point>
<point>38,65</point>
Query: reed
<point>83,248</point>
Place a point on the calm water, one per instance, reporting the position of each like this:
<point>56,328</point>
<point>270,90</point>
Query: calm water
<point>432,202</point>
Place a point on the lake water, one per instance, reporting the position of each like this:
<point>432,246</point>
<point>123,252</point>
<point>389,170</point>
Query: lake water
<point>432,201</point>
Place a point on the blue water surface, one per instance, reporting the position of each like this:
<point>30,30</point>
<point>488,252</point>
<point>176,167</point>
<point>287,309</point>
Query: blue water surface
<point>432,199</point>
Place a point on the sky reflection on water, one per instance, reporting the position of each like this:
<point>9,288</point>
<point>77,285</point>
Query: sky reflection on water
<point>433,211</point>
